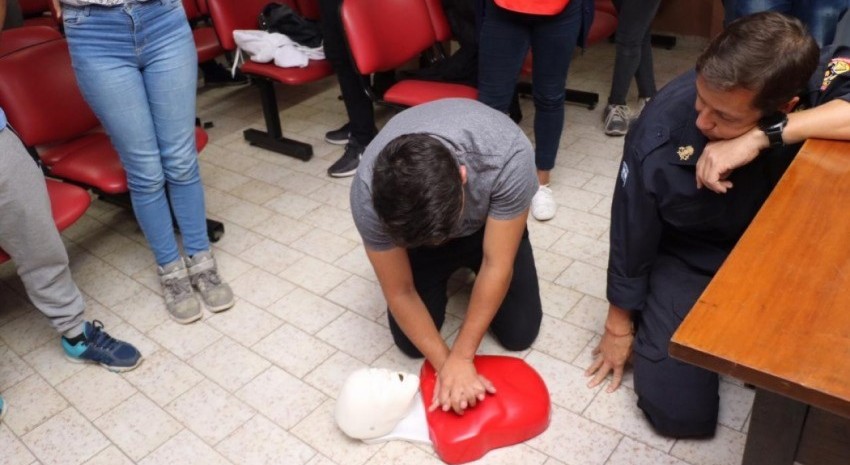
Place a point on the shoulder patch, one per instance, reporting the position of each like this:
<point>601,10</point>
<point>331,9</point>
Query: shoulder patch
<point>835,67</point>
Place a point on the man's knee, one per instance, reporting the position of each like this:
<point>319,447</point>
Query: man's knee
<point>679,400</point>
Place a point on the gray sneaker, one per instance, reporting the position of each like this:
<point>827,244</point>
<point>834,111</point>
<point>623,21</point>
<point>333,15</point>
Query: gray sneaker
<point>203,273</point>
<point>616,119</point>
<point>180,301</point>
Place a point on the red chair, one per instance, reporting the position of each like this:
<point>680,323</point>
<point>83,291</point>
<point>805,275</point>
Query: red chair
<point>67,202</point>
<point>229,15</point>
<point>39,94</point>
<point>604,25</point>
<point>385,34</point>
<point>206,40</point>
<point>38,13</point>
<point>23,37</point>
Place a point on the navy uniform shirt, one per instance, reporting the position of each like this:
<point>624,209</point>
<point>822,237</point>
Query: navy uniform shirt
<point>657,209</point>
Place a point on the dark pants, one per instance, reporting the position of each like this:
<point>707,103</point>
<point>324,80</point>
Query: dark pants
<point>358,105</point>
<point>517,322</point>
<point>680,400</point>
<point>505,40</point>
<point>634,51</point>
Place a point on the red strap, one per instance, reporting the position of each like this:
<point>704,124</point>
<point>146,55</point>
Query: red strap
<point>534,7</point>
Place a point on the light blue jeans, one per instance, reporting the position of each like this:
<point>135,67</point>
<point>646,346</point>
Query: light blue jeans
<point>136,66</point>
<point>819,16</point>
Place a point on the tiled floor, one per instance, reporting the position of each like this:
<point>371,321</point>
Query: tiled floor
<point>257,384</point>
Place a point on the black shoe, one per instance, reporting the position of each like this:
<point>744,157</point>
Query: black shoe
<point>339,136</point>
<point>216,75</point>
<point>347,164</point>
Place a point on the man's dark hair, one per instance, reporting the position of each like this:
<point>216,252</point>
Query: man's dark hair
<point>769,53</point>
<point>417,190</point>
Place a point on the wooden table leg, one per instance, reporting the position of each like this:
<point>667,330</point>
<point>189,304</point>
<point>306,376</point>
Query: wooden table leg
<point>775,429</point>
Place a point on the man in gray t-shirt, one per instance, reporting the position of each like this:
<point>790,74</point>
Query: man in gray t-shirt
<point>447,185</point>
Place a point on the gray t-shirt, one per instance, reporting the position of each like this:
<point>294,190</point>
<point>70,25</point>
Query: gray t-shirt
<point>499,160</point>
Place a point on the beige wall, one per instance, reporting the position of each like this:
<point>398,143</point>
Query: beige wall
<point>689,17</point>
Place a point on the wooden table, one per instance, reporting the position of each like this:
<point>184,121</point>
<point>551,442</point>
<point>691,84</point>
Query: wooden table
<point>777,314</point>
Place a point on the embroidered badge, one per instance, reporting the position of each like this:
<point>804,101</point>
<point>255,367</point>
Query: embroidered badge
<point>624,173</point>
<point>834,68</point>
<point>685,152</point>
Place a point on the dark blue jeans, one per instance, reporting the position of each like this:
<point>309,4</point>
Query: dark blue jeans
<point>634,51</point>
<point>820,16</point>
<point>505,40</point>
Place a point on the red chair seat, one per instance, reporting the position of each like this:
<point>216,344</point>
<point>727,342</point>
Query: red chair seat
<point>42,21</point>
<point>94,164</point>
<point>51,155</point>
<point>413,92</point>
<point>315,70</point>
<point>206,43</point>
<point>23,37</point>
<point>605,6</point>
<point>67,203</point>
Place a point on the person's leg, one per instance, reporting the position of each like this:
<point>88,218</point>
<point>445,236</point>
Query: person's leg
<point>634,56</point>
<point>748,7</point>
<point>517,322</point>
<point>29,236</point>
<point>104,43</point>
<point>679,400</point>
<point>821,17</point>
<point>504,42</point>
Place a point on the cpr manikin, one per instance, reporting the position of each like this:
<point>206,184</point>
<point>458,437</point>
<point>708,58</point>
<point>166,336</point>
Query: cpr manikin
<point>378,405</point>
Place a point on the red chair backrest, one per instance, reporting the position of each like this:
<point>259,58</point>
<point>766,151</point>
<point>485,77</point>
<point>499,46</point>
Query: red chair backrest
<point>39,94</point>
<point>27,36</point>
<point>203,7</point>
<point>229,15</point>
<point>191,8</point>
<point>309,9</point>
<point>384,34</point>
<point>438,19</point>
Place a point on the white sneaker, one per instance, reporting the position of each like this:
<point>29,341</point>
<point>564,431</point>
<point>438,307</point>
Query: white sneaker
<point>543,206</point>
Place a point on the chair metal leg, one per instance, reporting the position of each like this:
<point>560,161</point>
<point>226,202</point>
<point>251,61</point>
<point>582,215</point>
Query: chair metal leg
<point>273,138</point>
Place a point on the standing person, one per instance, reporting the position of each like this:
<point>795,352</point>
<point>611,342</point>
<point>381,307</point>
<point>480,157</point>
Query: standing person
<point>29,236</point>
<point>136,65</point>
<point>551,29</point>
<point>633,59</point>
<point>360,128</point>
<point>446,185</point>
<point>697,166</point>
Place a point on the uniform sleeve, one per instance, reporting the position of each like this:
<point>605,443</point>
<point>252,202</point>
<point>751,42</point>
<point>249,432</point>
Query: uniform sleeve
<point>635,233</point>
<point>516,183</point>
<point>831,81</point>
<point>368,224</point>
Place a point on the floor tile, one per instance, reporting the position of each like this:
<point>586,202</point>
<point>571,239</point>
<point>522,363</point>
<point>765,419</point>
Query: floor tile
<point>293,350</point>
<point>163,377</point>
<point>50,362</point>
<point>35,401</point>
<point>209,411</point>
<point>25,333</point>
<point>567,384</point>
<point>319,431</point>
<point>12,368</point>
<point>138,426</point>
<point>244,323</point>
<point>361,296</point>
<point>631,452</point>
<point>259,287</point>
<point>725,448</point>
<point>619,410</point>
<point>185,341</point>
<point>332,373</point>
<point>259,441</point>
<point>314,275</point>
<point>271,256</point>
<point>109,456</point>
<point>736,402</point>
<point>185,447</point>
<point>14,452</point>
<point>305,310</point>
<point>281,397</point>
<point>66,438</point>
<point>561,339</point>
<point>575,440</point>
<point>229,364</point>
<point>95,391</point>
<point>357,336</point>
<point>323,245</point>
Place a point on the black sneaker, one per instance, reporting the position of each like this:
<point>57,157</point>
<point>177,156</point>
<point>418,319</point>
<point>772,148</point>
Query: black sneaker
<point>339,136</point>
<point>347,164</point>
<point>216,75</point>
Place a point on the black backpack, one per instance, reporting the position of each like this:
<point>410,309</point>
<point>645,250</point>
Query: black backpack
<point>277,17</point>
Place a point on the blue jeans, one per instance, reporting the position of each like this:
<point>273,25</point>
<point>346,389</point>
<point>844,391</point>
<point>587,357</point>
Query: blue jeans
<point>820,16</point>
<point>505,39</point>
<point>136,66</point>
<point>634,50</point>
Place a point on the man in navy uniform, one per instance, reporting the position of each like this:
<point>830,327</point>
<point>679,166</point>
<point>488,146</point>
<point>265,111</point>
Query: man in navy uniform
<point>697,166</point>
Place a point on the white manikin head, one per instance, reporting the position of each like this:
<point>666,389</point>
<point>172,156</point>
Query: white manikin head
<point>373,401</point>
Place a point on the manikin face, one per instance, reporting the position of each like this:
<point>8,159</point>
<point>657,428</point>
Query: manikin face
<point>373,401</point>
<point>724,114</point>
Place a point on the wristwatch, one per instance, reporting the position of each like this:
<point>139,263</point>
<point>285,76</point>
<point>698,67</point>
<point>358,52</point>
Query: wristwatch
<point>772,126</point>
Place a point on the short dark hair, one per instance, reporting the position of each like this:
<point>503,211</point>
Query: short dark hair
<point>417,190</point>
<point>768,53</point>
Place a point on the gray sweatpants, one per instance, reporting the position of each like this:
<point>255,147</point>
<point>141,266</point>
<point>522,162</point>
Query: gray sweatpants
<point>28,234</point>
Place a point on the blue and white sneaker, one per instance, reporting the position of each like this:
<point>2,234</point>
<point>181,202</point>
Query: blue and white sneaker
<point>3,406</point>
<point>100,347</point>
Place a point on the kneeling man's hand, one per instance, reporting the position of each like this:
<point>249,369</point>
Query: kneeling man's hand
<point>459,386</point>
<point>612,353</point>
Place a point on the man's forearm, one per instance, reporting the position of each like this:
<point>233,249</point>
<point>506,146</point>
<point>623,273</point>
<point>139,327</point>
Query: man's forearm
<point>415,321</point>
<point>828,121</point>
<point>489,291</point>
<point>619,321</point>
